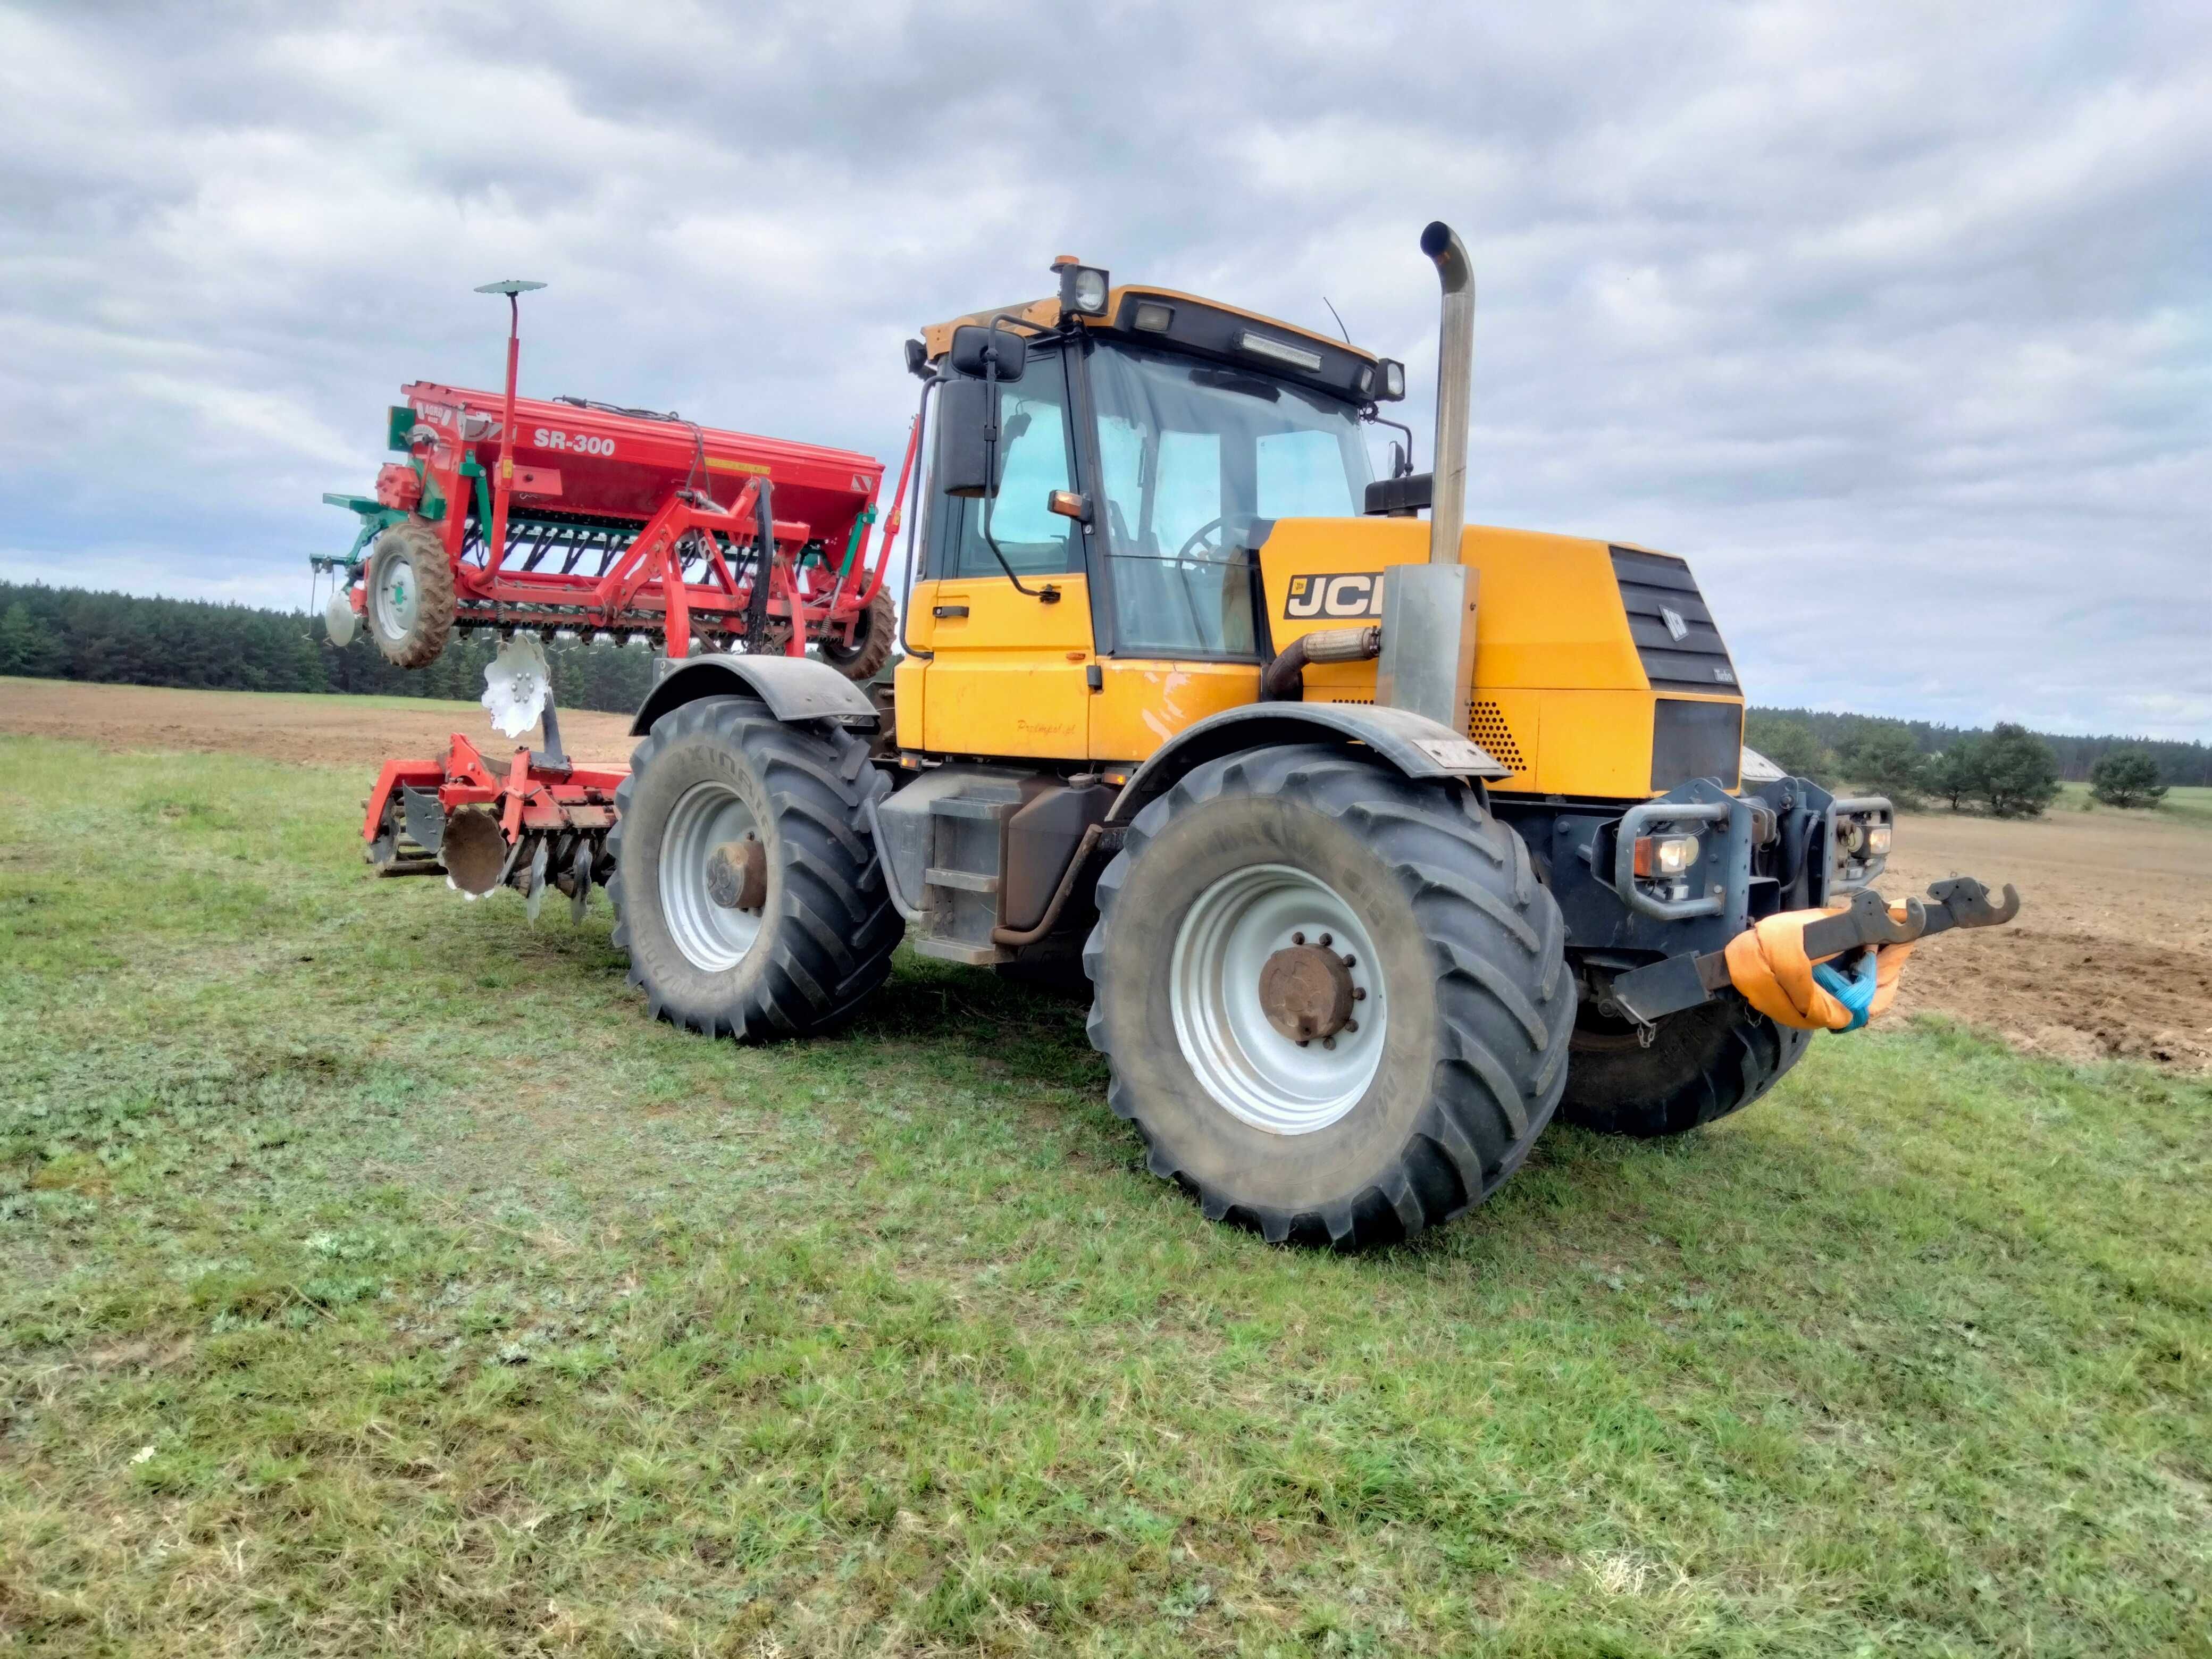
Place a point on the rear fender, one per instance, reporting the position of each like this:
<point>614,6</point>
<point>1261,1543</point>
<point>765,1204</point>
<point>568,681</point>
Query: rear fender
<point>794,688</point>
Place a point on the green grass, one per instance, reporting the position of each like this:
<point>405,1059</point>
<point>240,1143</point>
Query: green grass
<point>374,1278</point>
<point>2190,803</point>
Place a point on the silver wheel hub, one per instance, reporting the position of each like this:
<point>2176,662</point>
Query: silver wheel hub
<point>705,833</point>
<point>394,599</point>
<point>1264,955</point>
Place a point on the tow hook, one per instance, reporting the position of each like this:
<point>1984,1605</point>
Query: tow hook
<point>1650,993</point>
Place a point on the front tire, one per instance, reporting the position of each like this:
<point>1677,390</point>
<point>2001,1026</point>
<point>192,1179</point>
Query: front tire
<point>746,887</point>
<point>1444,948</point>
<point>1702,1064</point>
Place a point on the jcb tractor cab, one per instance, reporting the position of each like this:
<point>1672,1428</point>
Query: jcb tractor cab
<point>1379,839</point>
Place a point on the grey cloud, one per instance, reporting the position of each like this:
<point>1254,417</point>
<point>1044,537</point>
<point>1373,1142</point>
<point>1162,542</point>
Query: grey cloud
<point>1894,319</point>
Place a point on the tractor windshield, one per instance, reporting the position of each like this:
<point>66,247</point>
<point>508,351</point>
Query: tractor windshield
<point>1192,456</point>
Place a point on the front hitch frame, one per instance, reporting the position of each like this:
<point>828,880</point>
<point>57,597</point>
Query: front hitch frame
<point>1650,994</point>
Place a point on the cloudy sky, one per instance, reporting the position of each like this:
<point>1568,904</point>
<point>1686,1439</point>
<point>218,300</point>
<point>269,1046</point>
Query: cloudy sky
<point>1897,321</point>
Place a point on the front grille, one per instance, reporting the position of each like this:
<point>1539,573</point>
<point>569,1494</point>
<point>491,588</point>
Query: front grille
<point>1652,586</point>
<point>1695,740</point>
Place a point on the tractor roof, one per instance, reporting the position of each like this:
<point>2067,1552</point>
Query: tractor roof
<point>1193,323</point>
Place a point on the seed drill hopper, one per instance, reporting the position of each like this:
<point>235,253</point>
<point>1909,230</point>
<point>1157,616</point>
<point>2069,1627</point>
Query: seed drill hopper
<point>543,514</point>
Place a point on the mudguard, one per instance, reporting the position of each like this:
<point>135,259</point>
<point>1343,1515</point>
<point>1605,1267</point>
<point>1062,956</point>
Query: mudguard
<point>793,688</point>
<point>1419,747</point>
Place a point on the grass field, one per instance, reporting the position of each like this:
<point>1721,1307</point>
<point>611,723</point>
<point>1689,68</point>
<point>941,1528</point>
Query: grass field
<point>2187,803</point>
<point>374,1278</point>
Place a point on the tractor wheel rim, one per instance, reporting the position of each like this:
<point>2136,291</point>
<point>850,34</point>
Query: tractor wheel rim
<point>1257,1074</point>
<point>711,938</point>
<point>395,597</point>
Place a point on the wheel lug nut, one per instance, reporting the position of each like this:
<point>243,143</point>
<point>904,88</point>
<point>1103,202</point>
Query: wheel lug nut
<point>1297,938</point>
<point>1360,993</point>
<point>1328,1043</point>
<point>1350,960</point>
<point>1328,939</point>
<point>1352,1025</point>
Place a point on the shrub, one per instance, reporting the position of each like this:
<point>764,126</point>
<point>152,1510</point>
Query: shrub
<point>1789,745</point>
<point>2126,777</point>
<point>2020,773</point>
<point>1954,777</point>
<point>1886,759</point>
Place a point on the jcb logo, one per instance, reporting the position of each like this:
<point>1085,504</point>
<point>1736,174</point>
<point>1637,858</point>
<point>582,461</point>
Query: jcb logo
<point>1356,595</point>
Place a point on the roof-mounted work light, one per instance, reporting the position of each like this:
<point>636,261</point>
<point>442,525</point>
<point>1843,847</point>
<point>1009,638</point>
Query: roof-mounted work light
<point>1082,288</point>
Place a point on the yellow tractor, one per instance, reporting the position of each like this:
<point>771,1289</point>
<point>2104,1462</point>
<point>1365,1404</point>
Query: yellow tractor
<point>1379,838</point>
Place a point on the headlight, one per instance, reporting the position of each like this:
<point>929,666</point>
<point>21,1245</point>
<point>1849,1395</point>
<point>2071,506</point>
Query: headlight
<point>1665,856</point>
<point>1394,381</point>
<point>1877,840</point>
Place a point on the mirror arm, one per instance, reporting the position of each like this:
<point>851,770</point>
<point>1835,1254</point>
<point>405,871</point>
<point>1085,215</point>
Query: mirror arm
<point>1406,466</point>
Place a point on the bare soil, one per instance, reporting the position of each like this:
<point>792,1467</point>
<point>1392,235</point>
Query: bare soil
<point>2112,952</point>
<point>314,731</point>
<point>2110,956</point>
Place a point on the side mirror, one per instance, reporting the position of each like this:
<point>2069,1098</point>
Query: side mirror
<point>963,456</point>
<point>976,350</point>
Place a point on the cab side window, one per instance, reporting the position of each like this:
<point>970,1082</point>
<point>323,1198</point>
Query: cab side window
<point>1034,458</point>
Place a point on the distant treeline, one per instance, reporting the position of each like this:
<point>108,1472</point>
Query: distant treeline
<point>66,633</point>
<point>2177,762</point>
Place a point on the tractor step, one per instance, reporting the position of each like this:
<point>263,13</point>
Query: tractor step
<point>985,808</point>
<point>968,881</point>
<point>953,950</point>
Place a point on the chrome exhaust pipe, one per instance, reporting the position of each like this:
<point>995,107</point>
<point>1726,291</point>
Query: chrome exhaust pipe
<point>1454,385</point>
<point>1427,665</point>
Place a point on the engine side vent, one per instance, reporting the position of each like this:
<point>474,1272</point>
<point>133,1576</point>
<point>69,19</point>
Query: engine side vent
<point>1681,649</point>
<point>1487,726</point>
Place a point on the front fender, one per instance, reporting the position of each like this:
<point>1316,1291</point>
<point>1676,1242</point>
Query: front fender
<point>1417,746</point>
<point>793,688</point>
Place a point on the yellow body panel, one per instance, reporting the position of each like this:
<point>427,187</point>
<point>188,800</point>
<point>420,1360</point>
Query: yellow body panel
<point>937,338</point>
<point>1007,677</point>
<point>1560,694</point>
<point>1143,704</point>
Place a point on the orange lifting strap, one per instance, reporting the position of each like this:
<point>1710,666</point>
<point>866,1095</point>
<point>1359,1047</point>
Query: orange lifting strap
<point>1769,965</point>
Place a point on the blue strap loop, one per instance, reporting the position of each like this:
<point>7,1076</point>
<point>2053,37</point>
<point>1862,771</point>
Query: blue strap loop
<point>1854,987</point>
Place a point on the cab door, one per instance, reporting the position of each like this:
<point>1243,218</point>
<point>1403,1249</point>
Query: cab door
<point>1007,677</point>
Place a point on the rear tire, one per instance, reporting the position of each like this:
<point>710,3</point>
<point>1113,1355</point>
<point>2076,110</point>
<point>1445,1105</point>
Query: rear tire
<point>1457,1065</point>
<point>409,609</point>
<point>720,770</point>
<point>1702,1064</point>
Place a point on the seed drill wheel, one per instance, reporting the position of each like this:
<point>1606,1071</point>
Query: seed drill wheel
<point>874,632</point>
<point>1336,1002</point>
<point>1702,1064</point>
<point>746,889</point>
<point>411,594</point>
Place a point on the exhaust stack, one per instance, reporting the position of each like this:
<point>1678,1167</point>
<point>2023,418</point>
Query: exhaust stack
<point>1427,665</point>
<point>1455,385</point>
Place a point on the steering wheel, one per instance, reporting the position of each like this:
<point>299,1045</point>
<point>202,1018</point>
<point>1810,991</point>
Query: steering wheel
<point>1197,535</point>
